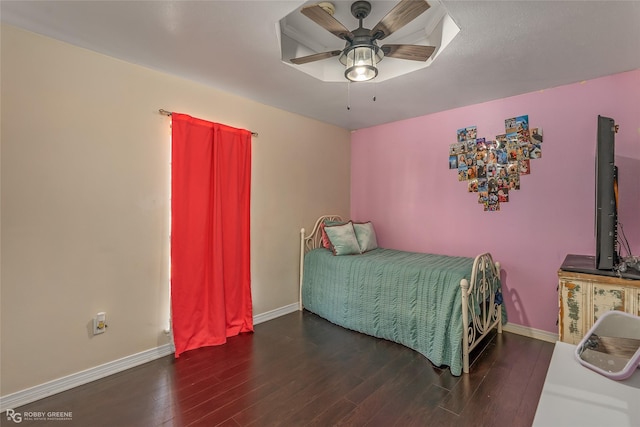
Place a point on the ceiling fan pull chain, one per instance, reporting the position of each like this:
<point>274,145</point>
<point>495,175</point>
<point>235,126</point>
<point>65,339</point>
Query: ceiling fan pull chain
<point>375,90</point>
<point>348,95</point>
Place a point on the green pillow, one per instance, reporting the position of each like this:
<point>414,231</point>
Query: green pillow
<point>343,239</point>
<point>366,236</point>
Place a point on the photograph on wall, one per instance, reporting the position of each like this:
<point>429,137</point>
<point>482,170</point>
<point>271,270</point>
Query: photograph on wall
<point>473,186</point>
<point>535,151</point>
<point>512,147</point>
<point>483,197</point>
<point>480,144</point>
<point>505,182</point>
<point>472,132</point>
<point>512,168</point>
<point>523,137</point>
<point>514,181</point>
<point>454,149</point>
<point>502,182</point>
<point>525,167</point>
<point>453,162</point>
<point>492,203</point>
<point>482,184</point>
<point>492,157</point>
<point>510,125</point>
<point>512,154</point>
<point>471,145</point>
<point>503,158</point>
<point>492,185</point>
<point>517,124</point>
<point>467,133</point>
<point>462,172</point>
<point>492,170</point>
<point>501,142</point>
<point>536,135</point>
<point>520,153</point>
<point>503,195</point>
<point>470,159</point>
<point>472,172</point>
<point>481,170</point>
<point>535,144</point>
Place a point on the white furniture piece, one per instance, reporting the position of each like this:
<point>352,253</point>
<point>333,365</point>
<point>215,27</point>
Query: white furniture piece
<point>574,395</point>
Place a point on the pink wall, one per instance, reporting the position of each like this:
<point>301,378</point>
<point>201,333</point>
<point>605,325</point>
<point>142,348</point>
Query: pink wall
<point>400,180</point>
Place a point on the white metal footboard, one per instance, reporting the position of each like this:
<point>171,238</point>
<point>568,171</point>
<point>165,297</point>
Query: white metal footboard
<point>480,310</point>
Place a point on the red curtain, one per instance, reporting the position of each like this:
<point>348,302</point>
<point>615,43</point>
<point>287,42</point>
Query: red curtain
<point>210,200</point>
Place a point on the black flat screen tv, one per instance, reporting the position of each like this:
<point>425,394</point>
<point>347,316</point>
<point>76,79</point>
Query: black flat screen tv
<point>606,227</point>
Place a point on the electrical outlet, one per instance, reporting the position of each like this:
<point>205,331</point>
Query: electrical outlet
<point>99,323</point>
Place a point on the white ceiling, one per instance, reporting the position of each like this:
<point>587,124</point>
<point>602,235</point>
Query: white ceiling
<point>504,48</point>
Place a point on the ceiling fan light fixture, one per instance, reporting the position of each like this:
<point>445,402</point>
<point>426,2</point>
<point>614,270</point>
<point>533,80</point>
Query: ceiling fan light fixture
<point>361,54</point>
<point>361,62</point>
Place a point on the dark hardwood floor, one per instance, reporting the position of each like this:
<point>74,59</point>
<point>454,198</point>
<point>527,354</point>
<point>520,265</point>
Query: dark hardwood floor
<point>300,370</point>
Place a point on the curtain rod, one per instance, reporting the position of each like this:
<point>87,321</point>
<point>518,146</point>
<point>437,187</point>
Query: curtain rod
<point>168,113</point>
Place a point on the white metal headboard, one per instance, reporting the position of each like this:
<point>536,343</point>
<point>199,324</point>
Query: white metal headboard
<point>309,242</point>
<point>314,239</point>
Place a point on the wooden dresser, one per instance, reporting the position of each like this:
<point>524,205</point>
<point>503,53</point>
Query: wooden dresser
<point>585,294</point>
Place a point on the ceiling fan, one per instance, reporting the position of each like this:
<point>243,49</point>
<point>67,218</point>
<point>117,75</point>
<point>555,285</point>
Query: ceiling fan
<point>361,52</point>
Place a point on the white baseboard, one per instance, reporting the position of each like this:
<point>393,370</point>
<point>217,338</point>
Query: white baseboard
<point>41,391</point>
<point>531,332</point>
<point>29,395</point>
<point>270,315</point>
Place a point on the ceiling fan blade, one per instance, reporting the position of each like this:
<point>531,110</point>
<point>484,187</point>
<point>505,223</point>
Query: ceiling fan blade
<point>411,52</point>
<point>403,13</point>
<point>323,18</point>
<point>315,57</point>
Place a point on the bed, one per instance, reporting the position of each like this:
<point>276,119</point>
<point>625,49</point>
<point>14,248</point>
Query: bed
<point>440,306</point>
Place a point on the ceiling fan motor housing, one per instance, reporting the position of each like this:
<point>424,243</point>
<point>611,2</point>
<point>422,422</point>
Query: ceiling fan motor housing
<point>360,9</point>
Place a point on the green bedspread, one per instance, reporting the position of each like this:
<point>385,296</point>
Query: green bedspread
<point>410,298</point>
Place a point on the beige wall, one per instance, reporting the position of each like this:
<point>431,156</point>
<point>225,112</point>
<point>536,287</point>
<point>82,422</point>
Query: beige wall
<point>85,202</point>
